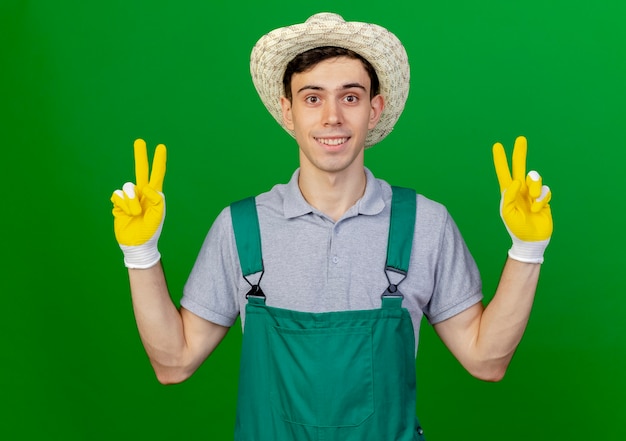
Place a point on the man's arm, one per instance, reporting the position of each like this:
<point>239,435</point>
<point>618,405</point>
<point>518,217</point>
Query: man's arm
<point>176,341</point>
<point>485,339</point>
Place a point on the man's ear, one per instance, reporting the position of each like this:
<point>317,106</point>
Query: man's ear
<point>377,106</point>
<point>285,104</point>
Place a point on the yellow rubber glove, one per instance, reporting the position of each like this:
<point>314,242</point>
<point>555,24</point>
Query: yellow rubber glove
<point>524,204</point>
<point>139,210</point>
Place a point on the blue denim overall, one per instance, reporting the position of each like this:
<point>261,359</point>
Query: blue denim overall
<point>333,376</point>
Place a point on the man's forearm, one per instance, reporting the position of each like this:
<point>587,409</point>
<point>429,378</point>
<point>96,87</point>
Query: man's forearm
<point>158,320</point>
<point>504,320</point>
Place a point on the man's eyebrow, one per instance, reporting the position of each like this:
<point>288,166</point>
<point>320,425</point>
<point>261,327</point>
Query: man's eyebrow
<point>354,85</point>
<point>309,87</point>
<point>344,87</point>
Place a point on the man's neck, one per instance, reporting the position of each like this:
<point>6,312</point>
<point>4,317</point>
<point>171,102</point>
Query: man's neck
<point>332,193</point>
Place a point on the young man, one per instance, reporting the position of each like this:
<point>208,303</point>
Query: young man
<point>332,272</point>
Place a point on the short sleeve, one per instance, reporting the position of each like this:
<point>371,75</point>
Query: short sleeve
<point>457,282</point>
<point>211,289</point>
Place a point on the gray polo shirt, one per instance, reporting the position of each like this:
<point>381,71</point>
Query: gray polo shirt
<point>314,264</point>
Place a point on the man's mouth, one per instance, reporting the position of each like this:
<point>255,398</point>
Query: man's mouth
<point>332,141</point>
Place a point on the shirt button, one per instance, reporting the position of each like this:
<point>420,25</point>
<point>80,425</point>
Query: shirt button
<point>335,259</point>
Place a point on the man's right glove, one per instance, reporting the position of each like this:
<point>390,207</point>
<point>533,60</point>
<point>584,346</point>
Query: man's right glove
<point>524,204</point>
<point>139,210</point>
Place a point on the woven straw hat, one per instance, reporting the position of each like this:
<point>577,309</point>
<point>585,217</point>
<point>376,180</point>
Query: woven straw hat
<point>376,44</point>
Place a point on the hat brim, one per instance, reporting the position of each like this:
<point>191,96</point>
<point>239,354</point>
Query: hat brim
<point>376,44</point>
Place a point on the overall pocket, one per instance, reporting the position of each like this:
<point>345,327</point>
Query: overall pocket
<point>322,376</point>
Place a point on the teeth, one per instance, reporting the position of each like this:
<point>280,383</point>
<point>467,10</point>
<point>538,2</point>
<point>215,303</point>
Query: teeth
<point>332,141</point>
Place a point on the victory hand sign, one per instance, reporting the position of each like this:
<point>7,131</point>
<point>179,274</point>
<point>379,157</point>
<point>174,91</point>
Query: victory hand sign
<point>524,204</point>
<point>139,209</point>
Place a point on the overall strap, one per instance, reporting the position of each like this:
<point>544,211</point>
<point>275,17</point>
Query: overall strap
<point>401,231</point>
<point>248,239</point>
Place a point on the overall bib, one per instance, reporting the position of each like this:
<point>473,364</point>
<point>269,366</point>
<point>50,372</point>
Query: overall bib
<point>333,376</point>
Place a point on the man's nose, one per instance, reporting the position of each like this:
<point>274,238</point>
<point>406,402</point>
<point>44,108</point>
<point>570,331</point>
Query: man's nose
<point>332,113</point>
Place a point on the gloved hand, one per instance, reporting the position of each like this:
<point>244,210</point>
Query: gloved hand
<point>139,210</point>
<point>524,204</point>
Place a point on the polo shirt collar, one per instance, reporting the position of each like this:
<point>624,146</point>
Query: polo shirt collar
<point>372,202</point>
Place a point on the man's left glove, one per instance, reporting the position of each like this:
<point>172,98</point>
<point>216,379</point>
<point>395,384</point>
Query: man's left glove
<point>139,210</point>
<point>524,204</point>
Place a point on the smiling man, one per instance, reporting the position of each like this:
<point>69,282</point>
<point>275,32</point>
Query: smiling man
<point>332,272</point>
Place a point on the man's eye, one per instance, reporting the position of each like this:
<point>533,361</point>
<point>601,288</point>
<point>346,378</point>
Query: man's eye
<point>312,99</point>
<point>351,99</point>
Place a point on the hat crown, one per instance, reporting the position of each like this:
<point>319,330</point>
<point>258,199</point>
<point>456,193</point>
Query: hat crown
<point>325,17</point>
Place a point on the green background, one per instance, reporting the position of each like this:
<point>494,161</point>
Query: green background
<point>79,81</point>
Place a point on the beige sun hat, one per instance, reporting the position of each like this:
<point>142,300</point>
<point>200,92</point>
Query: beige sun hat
<point>381,48</point>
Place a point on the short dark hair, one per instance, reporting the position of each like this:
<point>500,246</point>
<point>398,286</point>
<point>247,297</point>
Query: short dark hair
<point>309,59</point>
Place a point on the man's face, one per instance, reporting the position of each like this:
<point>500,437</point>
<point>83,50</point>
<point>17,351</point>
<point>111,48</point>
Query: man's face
<point>331,113</point>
